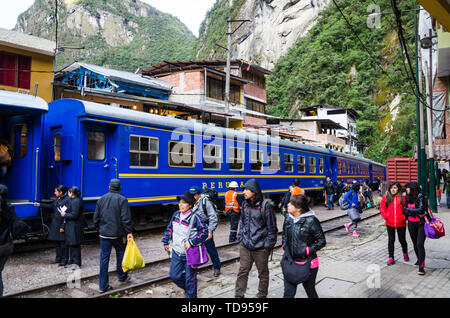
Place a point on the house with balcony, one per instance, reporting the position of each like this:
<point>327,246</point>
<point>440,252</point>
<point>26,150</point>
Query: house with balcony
<point>26,64</point>
<point>344,117</point>
<point>202,84</point>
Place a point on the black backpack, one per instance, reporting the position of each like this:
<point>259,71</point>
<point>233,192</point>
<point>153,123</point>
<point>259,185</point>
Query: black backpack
<point>213,196</point>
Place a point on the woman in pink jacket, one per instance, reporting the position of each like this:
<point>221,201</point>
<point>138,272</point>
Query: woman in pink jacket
<point>391,209</point>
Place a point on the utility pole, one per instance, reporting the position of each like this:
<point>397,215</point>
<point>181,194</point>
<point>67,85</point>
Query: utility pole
<point>230,32</point>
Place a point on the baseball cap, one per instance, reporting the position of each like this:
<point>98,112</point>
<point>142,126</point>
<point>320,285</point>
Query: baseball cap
<point>194,190</point>
<point>187,197</point>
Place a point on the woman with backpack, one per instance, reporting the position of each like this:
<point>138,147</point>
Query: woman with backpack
<point>392,211</point>
<point>354,209</point>
<point>416,210</point>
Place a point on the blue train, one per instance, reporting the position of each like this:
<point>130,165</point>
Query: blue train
<point>74,142</point>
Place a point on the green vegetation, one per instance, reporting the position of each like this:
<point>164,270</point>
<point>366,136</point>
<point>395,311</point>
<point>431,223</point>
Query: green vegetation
<point>330,66</point>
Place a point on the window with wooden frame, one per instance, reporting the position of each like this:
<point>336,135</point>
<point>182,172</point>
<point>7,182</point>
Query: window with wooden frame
<point>321,165</point>
<point>236,158</point>
<point>301,163</point>
<point>57,147</point>
<point>212,157</point>
<point>15,70</point>
<point>181,154</point>
<point>144,152</point>
<point>288,162</point>
<point>256,160</point>
<point>312,165</point>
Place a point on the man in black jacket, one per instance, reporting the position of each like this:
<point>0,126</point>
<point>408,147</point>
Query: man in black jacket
<point>257,235</point>
<point>112,218</point>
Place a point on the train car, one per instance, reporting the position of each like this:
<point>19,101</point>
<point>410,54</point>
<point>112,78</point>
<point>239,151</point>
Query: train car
<point>157,158</point>
<point>21,119</point>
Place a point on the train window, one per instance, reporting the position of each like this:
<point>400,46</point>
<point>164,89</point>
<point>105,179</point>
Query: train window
<point>339,167</point>
<point>274,161</point>
<point>312,165</point>
<point>96,147</point>
<point>57,147</point>
<point>321,165</point>
<point>256,160</point>
<point>301,163</point>
<point>236,158</point>
<point>19,135</point>
<point>144,151</point>
<point>212,157</point>
<point>288,162</point>
<point>181,154</point>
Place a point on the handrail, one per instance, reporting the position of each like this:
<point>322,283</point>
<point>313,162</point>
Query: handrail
<point>117,166</point>
<point>81,182</point>
<point>36,175</point>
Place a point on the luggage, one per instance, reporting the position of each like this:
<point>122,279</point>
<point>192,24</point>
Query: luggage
<point>343,203</point>
<point>434,228</point>
<point>354,215</point>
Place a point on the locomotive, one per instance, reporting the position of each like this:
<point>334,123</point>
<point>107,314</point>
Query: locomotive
<point>82,143</point>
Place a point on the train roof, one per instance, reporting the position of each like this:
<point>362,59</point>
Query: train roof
<point>122,114</point>
<point>18,102</point>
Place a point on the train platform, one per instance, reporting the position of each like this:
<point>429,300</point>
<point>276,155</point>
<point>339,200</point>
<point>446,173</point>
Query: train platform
<point>356,268</point>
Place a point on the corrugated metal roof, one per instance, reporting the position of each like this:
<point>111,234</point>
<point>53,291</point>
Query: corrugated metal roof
<point>27,42</point>
<point>117,75</point>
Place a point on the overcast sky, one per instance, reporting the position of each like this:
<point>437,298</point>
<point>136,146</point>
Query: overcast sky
<point>190,12</point>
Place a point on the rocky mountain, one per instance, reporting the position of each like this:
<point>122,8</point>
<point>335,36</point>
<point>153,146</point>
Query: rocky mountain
<point>121,34</point>
<point>274,28</point>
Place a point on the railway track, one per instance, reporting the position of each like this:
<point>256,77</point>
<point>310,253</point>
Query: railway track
<point>155,272</point>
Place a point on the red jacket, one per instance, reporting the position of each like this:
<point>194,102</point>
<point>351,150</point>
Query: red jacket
<point>393,214</point>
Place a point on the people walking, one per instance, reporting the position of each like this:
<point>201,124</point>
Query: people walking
<point>56,230</point>
<point>112,219</point>
<point>329,191</point>
<point>74,226</point>
<point>257,237</point>
<point>302,238</point>
<point>183,237</point>
<point>354,209</point>
<point>391,208</point>
<point>294,189</point>
<point>10,228</point>
<point>207,211</point>
<point>438,196</point>
<point>232,209</point>
<point>416,210</point>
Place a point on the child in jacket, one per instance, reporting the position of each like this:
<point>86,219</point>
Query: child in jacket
<point>177,231</point>
<point>391,208</point>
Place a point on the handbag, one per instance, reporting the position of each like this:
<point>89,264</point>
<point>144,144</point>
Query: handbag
<point>434,228</point>
<point>293,272</point>
<point>354,215</point>
<point>195,255</point>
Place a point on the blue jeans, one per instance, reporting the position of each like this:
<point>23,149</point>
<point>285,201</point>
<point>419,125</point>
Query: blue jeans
<point>234,223</point>
<point>330,201</point>
<point>447,197</point>
<point>106,246</point>
<point>182,275</point>
<point>213,254</point>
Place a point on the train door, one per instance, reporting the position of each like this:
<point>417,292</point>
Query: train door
<point>19,178</point>
<point>98,167</point>
<point>332,168</point>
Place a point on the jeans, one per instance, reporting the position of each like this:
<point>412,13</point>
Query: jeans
<point>106,246</point>
<point>401,231</point>
<point>330,201</point>
<point>213,254</point>
<point>182,275</point>
<point>234,223</point>
<point>447,197</point>
<point>310,286</point>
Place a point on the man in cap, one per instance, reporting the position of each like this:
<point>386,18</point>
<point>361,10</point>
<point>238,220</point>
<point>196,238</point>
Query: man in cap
<point>207,211</point>
<point>257,235</point>
<point>232,209</point>
<point>112,219</point>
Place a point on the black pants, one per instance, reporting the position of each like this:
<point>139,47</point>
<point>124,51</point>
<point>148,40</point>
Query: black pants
<point>310,286</point>
<point>401,231</point>
<point>75,254</point>
<point>417,234</point>
<point>5,251</point>
<point>62,252</point>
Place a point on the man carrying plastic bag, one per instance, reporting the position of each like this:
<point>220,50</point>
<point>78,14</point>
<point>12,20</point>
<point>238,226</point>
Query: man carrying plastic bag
<point>112,218</point>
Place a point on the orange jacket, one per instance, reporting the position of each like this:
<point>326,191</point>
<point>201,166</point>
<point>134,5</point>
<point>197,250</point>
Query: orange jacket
<point>231,201</point>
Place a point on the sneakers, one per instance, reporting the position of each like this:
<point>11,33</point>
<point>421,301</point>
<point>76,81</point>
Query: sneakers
<point>126,280</point>
<point>347,227</point>
<point>405,257</point>
<point>417,263</point>
<point>105,290</point>
<point>421,271</point>
<point>355,234</point>
<point>390,261</point>
<point>216,272</point>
